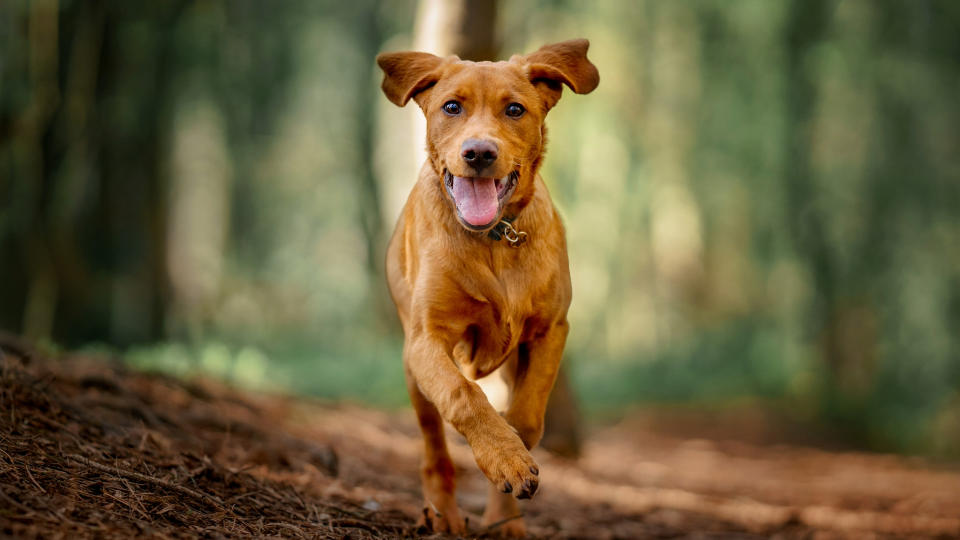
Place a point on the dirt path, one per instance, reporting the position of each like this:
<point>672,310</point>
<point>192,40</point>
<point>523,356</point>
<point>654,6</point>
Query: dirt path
<point>89,449</point>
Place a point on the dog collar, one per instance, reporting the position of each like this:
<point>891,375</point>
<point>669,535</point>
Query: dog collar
<point>505,229</point>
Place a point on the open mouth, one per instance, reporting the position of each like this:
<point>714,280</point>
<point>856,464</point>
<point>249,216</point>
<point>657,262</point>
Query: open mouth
<point>480,200</point>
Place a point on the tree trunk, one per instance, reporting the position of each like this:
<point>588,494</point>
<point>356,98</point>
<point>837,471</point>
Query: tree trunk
<point>368,190</point>
<point>830,317</point>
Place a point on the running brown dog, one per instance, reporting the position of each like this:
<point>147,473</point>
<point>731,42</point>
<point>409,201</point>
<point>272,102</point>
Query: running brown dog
<point>477,266</point>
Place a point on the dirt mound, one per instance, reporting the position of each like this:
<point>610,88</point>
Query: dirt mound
<point>89,448</point>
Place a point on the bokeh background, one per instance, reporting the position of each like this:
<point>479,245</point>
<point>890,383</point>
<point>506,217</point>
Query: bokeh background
<point>762,198</point>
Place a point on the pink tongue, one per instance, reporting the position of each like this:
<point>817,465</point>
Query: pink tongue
<point>476,199</point>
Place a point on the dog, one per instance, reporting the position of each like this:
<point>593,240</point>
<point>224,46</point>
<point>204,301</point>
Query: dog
<point>477,266</point>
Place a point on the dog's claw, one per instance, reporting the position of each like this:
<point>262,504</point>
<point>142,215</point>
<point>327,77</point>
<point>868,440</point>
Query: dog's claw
<point>507,488</point>
<point>534,470</point>
<point>529,488</point>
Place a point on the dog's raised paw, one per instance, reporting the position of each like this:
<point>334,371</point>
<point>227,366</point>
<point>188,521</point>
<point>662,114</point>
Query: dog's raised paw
<point>529,488</point>
<point>510,467</point>
<point>523,482</point>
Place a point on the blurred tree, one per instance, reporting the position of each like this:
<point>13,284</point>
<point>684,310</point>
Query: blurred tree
<point>368,190</point>
<point>807,23</point>
<point>86,120</point>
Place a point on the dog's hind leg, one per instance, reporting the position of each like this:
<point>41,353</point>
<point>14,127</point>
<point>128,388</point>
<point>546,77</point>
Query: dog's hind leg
<point>502,511</point>
<point>532,381</point>
<point>436,472</point>
<point>529,373</point>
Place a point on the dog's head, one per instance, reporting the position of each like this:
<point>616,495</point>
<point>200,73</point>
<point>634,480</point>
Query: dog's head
<point>485,134</point>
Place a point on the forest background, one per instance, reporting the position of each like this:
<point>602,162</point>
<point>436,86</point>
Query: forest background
<point>762,198</point>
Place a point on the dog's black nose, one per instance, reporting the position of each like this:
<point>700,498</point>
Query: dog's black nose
<point>479,154</point>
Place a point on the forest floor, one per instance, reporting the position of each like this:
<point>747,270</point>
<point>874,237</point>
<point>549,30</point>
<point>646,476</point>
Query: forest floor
<point>91,449</point>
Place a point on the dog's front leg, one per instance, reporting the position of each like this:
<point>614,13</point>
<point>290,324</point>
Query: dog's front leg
<point>499,452</point>
<point>531,379</point>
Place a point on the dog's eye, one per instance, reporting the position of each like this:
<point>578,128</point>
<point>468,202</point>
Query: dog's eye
<point>515,110</point>
<point>452,108</point>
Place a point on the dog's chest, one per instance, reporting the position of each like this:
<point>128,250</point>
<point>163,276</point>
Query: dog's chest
<point>499,325</point>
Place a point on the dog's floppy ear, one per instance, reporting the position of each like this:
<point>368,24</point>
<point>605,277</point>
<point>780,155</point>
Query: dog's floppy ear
<point>552,66</point>
<point>407,73</point>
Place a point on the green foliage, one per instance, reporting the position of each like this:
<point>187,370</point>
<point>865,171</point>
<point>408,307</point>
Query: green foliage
<point>352,374</point>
